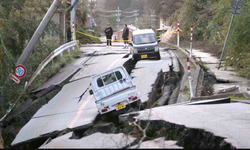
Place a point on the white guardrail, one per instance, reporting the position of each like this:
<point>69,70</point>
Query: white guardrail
<point>52,55</point>
<point>59,50</point>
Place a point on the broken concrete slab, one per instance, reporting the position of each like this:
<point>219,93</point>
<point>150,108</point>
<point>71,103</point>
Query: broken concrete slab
<point>212,101</point>
<point>44,91</point>
<point>228,121</point>
<point>103,127</point>
<point>124,118</point>
<point>96,140</point>
<point>223,95</point>
<point>158,143</point>
<point>165,96</point>
<point>229,89</point>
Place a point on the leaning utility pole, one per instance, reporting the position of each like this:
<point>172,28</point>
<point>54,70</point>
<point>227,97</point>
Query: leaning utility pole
<point>237,4</point>
<point>38,33</point>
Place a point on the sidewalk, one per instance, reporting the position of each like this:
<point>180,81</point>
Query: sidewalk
<point>229,83</point>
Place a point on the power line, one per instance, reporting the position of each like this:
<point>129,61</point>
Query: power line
<point>129,12</point>
<point>106,11</point>
<point>106,15</point>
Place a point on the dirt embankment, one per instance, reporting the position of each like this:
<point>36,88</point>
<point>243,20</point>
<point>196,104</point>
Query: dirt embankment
<point>203,46</point>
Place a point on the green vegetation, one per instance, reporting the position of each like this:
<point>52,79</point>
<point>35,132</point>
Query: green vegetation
<point>239,98</point>
<point>202,65</point>
<point>84,39</point>
<point>210,20</point>
<point>18,23</point>
<point>54,67</point>
<point>167,45</point>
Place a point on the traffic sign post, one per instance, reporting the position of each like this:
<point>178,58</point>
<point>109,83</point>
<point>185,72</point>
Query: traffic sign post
<point>20,71</point>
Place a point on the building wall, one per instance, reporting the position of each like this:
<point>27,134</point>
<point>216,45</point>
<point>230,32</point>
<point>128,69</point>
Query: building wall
<point>59,18</point>
<point>120,35</point>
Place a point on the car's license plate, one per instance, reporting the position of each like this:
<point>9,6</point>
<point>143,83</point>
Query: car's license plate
<point>120,106</point>
<point>144,56</point>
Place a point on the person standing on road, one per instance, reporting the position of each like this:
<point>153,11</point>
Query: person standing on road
<point>69,35</point>
<point>125,35</point>
<point>109,32</point>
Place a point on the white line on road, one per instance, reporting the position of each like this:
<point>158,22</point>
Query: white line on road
<point>79,112</point>
<point>113,64</point>
<point>85,103</point>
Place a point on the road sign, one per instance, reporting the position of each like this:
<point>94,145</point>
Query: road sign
<point>20,71</point>
<point>237,4</point>
<point>14,78</point>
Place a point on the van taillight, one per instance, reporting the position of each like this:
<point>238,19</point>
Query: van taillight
<point>104,110</point>
<point>132,98</point>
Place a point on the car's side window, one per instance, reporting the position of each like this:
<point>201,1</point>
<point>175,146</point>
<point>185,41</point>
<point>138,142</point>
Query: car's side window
<point>99,82</point>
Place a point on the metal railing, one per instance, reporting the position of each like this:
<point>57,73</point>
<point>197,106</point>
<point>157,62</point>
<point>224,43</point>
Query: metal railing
<point>64,47</point>
<point>59,51</point>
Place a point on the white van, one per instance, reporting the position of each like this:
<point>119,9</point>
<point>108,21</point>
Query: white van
<point>113,90</point>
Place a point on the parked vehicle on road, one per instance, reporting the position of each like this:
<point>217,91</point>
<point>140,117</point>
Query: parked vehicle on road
<point>144,44</point>
<point>113,90</point>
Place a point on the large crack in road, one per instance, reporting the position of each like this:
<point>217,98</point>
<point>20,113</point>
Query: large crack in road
<point>161,94</point>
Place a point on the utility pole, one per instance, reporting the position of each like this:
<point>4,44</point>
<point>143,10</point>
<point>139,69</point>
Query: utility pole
<point>118,14</point>
<point>39,31</point>
<point>136,14</point>
<point>90,15</point>
<point>236,4</point>
<point>72,20</point>
<point>152,19</point>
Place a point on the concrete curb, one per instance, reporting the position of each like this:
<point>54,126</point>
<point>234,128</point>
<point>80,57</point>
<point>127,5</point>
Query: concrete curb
<point>195,76</point>
<point>197,71</point>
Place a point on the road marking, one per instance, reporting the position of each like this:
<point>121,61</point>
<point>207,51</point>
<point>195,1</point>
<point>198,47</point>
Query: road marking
<point>79,112</point>
<point>113,64</point>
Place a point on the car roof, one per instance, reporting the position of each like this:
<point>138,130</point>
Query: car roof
<point>142,31</point>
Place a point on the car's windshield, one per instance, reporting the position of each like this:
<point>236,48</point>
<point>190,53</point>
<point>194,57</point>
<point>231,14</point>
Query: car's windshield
<point>144,38</point>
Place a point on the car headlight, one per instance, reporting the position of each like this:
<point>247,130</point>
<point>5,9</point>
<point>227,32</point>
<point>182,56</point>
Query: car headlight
<point>157,48</point>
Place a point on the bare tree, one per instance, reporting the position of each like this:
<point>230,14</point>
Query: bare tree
<point>163,8</point>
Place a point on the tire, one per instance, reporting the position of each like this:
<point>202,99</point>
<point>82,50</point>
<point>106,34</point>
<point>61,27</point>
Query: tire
<point>158,56</point>
<point>137,105</point>
<point>134,58</point>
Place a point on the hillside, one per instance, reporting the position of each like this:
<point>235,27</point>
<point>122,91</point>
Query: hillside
<point>211,20</point>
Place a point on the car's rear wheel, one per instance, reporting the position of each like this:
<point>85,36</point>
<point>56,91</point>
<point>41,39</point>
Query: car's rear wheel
<point>134,57</point>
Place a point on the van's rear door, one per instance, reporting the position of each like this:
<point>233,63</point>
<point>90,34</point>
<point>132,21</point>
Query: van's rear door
<point>111,82</point>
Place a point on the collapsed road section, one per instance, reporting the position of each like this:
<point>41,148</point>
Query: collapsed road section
<point>80,78</point>
<point>162,82</point>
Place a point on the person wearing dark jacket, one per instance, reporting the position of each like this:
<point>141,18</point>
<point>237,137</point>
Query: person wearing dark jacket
<point>109,32</point>
<point>125,36</point>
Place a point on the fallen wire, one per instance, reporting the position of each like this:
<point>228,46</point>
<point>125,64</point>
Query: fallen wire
<point>83,93</point>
